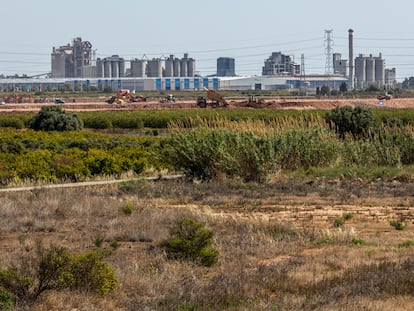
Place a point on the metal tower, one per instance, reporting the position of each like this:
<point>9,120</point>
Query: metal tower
<point>328,50</point>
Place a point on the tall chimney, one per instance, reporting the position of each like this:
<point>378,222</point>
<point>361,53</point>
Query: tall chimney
<point>351,57</point>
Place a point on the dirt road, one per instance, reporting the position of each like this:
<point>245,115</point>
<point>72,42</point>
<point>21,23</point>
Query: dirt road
<point>275,103</point>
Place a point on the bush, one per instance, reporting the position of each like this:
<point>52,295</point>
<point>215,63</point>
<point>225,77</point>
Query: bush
<point>6,302</point>
<point>128,208</point>
<point>190,240</point>
<point>356,121</point>
<point>398,225</point>
<point>53,118</point>
<point>55,268</point>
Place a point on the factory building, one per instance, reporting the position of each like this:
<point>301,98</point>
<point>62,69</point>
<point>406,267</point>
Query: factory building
<point>340,66</point>
<point>73,61</point>
<point>226,67</point>
<point>390,77</point>
<point>279,64</point>
<point>110,67</point>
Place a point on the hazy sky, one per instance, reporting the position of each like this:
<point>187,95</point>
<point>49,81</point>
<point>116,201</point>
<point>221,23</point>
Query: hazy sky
<point>247,30</point>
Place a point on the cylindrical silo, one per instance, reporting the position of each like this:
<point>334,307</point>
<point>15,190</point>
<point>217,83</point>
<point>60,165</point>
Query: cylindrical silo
<point>138,68</point>
<point>154,68</point>
<point>370,69</point>
<point>108,69</point>
<point>183,68</point>
<point>100,68</point>
<point>191,67</point>
<point>115,69</point>
<point>176,67</point>
<point>379,70</point>
<point>122,67</point>
<point>169,66</point>
<point>360,70</point>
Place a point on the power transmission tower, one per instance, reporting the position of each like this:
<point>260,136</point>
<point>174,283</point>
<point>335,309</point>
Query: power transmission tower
<point>328,50</point>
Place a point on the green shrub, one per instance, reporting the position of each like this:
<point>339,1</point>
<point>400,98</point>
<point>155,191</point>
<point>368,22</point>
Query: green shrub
<point>248,156</point>
<point>90,273</point>
<point>98,241</point>
<point>198,152</point>
<point>53,118</point>
<point>55,268</point>
<point>398,225</point>
<point>189,239</point>
<point>356,121</point>
<point>338,222</point>
<point>6,302</point>
<point>128,208</point>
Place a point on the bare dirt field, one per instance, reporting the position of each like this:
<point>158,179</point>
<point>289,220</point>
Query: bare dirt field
<point>287,245</point>
<point>276,103</point>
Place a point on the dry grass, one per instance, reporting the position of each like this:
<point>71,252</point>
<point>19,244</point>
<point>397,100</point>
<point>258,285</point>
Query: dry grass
<point>279,249</point>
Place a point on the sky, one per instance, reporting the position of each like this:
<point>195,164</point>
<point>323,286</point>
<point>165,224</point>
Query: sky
<point>246,30</point>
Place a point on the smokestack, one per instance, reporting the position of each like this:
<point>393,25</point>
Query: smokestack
<point>351,57</point>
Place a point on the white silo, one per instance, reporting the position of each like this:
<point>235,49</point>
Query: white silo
<point>100,68</point>
<point>115,68</point>
<point>380,70</point>
<point>360,66</point>
<point>184,68</point>
<point>108,68</point>
<point>154,68</point>
<point>191,67</point>
<point>370,69</point>
<point>177,67</point>
<point>138,68</point>
<point>121,67</point>
<point>169,66</point>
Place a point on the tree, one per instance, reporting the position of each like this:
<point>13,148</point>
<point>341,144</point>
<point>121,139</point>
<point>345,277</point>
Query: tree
<point>343,87</point>
<point>325,90</point>
<point>53,118</point>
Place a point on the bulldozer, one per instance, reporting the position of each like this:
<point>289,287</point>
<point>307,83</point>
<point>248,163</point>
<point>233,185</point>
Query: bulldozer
<point>213,99</point>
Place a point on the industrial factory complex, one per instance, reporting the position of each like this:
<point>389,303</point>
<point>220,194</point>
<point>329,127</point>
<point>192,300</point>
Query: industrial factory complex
<point>74,66</point>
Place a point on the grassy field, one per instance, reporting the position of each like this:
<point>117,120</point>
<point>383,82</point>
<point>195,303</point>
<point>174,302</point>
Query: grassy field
<point>290,244</point>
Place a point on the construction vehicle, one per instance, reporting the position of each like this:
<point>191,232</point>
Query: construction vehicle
<point>385,96</point>
<point>17,98</point>
<point>255,102</point>
<point>168,99</point>
<point>123,96</point>
<point>214,99</point>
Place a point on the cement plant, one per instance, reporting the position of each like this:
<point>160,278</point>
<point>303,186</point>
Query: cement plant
<point>74,66</point>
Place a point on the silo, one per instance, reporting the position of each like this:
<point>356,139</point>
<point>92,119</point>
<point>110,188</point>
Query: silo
<point>370,69</point>
<point>176,67</point>
<point>154,68</point>
<point>184,68</point>
<point>121,67</point>
<point>115,69</point>
<point>100,68</point>
<point>138,67</point>
<point>108,68</point>
<point>169,66</point>
<point>379,70</point>
<point>191,67</point>
<point>360,70</point>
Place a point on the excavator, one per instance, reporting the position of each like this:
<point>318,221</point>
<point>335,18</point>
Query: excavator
<point>215,98</point>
